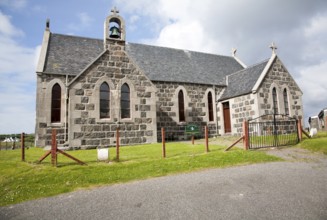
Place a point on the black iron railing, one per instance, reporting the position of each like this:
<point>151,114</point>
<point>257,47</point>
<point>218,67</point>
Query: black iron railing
<point>272,131</point>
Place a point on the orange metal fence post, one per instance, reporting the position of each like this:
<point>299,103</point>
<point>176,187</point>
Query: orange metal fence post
<point>163,138</point>
<point>22,140</point>
<point>117,144</point>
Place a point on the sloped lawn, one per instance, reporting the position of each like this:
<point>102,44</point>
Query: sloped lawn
<point>21,181</point>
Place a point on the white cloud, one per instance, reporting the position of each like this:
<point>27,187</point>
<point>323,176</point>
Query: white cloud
<point>317,26</point>
<point>14,4</point>
<point>298,27</point>
<point>17,82</point>
<point>313,82</point>
<point>6,28</point>
<point>186,36</point>
<point>84,21</point>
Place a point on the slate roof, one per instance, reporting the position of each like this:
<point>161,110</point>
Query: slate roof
<point>242,82</point>
<point>175,65</point>
<point>70,55</point>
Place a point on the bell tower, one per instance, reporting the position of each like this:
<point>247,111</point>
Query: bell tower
<point>114,29</point>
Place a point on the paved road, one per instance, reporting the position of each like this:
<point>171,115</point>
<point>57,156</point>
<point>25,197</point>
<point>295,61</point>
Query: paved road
<point>295,189</point>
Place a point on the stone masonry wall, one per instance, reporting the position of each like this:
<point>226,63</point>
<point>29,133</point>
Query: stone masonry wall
<point>254,105</point>
<point>242,108</point>
<point>279,78</point>
<point>87,130</point>
<point>43,127</point>
<point>196,109</point>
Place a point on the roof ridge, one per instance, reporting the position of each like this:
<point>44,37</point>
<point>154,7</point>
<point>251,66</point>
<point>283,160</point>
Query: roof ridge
<point>149,45</point>
<point>179,49</point>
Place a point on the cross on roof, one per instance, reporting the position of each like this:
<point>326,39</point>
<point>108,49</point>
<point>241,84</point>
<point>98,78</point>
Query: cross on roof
<point>115,10</point>
<point>273,47</point>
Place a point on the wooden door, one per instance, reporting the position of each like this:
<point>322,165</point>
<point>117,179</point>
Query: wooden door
<point>226,112</point>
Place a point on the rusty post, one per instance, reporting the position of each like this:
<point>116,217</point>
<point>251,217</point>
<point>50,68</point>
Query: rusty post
<point>117,144</point>
<point>206,138</point>
<point>299,129</point>
<point>246,135</point>
<point>192,139</point>
<point>54,147</point>
<point>22,143</point>
<point>163,138</point>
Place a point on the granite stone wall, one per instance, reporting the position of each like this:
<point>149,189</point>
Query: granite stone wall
<point>115,68</point>
<point>196,109</point>
<point>279,78</point>
<point>253,105</point>
<point>43,127</point>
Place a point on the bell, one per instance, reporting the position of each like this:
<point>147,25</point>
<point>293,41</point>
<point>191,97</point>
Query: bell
<point>114,32</point>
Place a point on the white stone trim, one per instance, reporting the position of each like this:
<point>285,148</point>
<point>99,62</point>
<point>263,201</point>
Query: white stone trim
<point>96,100</point>
<point>206,110</point>
<point>271,100</point>
<point>48,99</point>
<point>288,99</point>
<point>264,73</point>
<point>88,66</point>
<point>240,62</point>
<point>133,100</point>
<point>43,52</point>
<point>176,105</point>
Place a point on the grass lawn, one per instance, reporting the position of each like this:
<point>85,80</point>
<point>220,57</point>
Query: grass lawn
<point>317,143</point>
<point>21,181</point>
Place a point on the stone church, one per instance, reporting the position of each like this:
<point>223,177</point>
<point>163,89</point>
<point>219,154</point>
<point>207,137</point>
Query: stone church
<point>87,88</point>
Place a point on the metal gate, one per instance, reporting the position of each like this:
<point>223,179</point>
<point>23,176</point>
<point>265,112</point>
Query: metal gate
<point>272,131</point>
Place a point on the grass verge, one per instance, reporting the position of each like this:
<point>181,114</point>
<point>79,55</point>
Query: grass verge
<point>317,143</point>
<point>22,181</point>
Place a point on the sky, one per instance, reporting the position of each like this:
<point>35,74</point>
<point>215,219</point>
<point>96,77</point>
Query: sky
<point>297,27</point>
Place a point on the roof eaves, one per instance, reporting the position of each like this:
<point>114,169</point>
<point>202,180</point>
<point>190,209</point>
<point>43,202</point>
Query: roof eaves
<point>234,96</point>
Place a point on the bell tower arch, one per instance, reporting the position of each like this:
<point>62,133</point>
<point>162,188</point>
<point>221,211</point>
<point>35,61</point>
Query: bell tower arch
<point>114,28</point>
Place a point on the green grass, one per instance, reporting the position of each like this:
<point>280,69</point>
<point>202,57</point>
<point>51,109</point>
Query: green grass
<point>317,143</point>
<point>21,181</point>
<point>269,140</point>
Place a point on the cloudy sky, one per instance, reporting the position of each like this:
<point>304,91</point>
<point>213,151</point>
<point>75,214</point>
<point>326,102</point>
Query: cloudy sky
<point>298,28</point>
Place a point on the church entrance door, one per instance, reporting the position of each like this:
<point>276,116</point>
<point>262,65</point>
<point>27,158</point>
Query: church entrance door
<point>226,112</point>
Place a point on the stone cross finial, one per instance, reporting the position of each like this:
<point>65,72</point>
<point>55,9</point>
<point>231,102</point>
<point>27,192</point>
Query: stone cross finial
<point>115,10</point>
<point>234,52</point>
<point>273,47</point>
<point>47,24</point>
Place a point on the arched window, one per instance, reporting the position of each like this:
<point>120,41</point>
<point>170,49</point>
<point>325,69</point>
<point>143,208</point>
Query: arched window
<point>181,107</point>
<point>287,111</point>
<point>275,102</point>
<point>104,101</point>
<point>210,106</point>
<point>125,102</point>
<point>55,103</point>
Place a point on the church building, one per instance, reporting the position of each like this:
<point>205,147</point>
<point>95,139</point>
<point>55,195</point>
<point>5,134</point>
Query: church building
<point>87,88</point>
